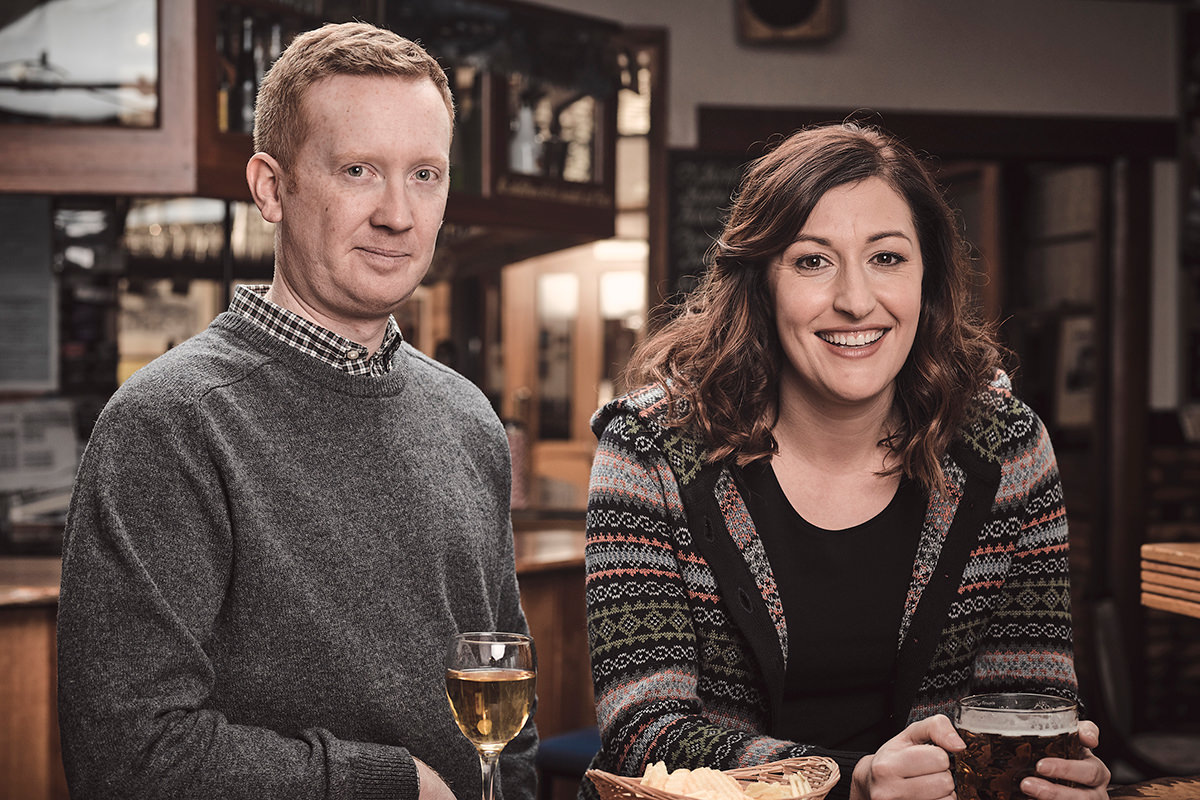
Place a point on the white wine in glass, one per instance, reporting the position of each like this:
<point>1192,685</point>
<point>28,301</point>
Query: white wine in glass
<point>490,684</point>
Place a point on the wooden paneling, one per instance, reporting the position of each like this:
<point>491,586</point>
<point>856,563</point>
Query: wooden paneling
<point>30,756</point>
<point>554,607</point>
<point>550,570</point>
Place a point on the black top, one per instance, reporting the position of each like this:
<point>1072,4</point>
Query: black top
<point>843,593</point>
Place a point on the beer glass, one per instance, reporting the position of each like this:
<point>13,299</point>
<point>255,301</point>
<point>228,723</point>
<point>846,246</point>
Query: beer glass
<point>1006,735</point>
<point>490,685</point>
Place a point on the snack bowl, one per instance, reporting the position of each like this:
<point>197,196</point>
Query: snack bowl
<point>820,773</point>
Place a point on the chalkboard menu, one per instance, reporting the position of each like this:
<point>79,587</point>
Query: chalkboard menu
<point>1190,218</point>
<point>700,187</point>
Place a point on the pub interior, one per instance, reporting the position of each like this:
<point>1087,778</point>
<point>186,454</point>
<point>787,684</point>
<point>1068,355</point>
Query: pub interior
<point>597,142</point>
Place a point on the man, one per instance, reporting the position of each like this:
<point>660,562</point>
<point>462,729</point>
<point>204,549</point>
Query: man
<point>278,526</point>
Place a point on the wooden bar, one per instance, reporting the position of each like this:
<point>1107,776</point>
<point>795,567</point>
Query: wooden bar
<point>1186,583</point>
<point>1159,568</point>
<point>1173,604</point>
<point>29,580</point>
<point>1170,591</point>
<point>30,754</point>
<point>1171,577</point>
<point>550,571</point>
<point>1181,554</point>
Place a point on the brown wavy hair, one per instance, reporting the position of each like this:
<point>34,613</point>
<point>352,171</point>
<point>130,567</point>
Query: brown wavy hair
<point>719,357</point>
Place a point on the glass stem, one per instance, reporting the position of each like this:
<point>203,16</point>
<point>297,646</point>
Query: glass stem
<point>487,766</point>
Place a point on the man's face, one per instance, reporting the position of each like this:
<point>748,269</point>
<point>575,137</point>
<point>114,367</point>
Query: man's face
<point>362,203</point>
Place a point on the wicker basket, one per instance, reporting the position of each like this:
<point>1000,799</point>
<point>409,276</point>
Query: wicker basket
<point>822,774</point>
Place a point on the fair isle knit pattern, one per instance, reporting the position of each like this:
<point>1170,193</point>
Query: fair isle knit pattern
<point>688,640</point>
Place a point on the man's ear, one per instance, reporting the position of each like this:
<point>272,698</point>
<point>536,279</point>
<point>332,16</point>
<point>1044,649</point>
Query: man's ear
<point>265,177</point>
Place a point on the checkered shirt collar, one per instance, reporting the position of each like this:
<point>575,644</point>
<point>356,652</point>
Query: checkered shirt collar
<point>310,338</point>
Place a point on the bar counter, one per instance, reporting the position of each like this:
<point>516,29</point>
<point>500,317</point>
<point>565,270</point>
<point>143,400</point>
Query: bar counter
<point>30,758</point>
<point>540,547</point>
<point>549,555</point>
<point>29,580</point>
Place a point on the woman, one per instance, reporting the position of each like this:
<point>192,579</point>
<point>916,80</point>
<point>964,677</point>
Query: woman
<point>826,517</point>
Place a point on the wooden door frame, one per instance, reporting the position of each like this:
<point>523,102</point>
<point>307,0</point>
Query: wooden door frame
<point>985,176</point>
<point>520,315</point>
<point>655,41</point>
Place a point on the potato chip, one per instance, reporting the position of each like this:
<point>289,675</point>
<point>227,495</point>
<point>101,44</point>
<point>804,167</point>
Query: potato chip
<point>678,781</point>
<point>709,784</point>
<point>764,790</point>
<point>799,784</point>
<point>656,775</point>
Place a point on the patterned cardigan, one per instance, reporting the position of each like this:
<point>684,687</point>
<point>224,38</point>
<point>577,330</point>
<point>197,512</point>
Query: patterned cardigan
<point>689,644</point>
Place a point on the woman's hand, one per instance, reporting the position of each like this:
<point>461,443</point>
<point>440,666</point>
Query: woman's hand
<point>914,765</point>
<point>1088,773</point>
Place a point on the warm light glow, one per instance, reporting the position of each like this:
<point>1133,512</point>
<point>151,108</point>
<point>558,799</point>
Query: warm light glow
<point>635,250</point>
<point>622,294</point>
<point>558,296</point>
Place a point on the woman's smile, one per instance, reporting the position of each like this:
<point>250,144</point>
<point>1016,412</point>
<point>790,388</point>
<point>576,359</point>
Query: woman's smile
<point>853,338</point>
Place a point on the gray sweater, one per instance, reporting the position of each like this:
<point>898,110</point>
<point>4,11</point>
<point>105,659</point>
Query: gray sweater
<point>264,563</point>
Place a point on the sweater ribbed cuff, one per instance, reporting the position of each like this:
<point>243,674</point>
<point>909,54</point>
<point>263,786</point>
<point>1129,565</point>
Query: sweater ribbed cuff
<point>379,772</point>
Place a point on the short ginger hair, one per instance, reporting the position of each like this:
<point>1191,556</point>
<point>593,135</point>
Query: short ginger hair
<point>349,48</point>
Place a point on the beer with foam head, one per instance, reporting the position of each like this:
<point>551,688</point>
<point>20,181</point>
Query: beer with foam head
<point>1006,735</point>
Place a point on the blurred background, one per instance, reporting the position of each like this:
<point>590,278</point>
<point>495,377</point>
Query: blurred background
<point>597,144</point>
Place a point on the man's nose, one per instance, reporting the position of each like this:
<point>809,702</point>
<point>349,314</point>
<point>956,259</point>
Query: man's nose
<point>393,209</point>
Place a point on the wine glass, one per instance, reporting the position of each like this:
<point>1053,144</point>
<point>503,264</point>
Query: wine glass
<point>490,684</point>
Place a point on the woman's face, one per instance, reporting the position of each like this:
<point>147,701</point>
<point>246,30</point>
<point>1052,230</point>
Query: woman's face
<point>847,294</point>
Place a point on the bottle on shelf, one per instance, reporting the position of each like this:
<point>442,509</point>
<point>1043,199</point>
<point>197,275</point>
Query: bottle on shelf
<point>247,75</point>
<point>225,70</point>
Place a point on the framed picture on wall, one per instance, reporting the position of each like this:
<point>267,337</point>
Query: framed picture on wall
<point>1075,375</point>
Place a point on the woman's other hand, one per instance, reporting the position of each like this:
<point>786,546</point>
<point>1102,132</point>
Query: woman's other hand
<point>913,765</point>
<point>1089,774</point>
